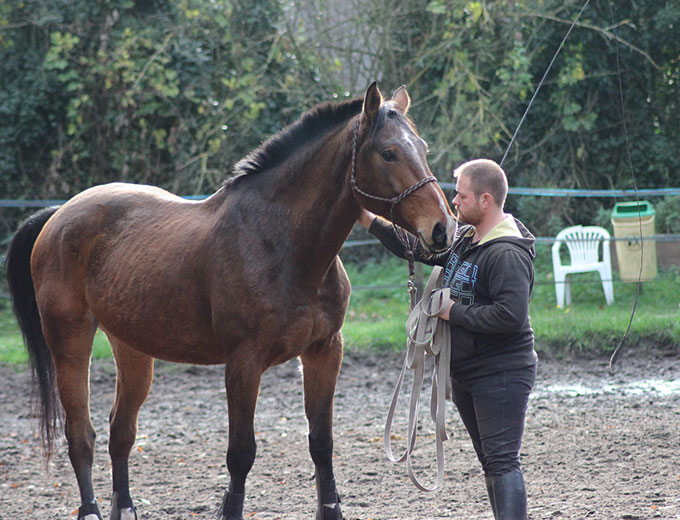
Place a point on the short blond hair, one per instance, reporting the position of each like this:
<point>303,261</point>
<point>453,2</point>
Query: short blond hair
<point>485,177</point>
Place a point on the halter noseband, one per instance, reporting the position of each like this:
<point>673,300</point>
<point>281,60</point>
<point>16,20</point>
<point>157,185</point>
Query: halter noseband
<point>392,201</point>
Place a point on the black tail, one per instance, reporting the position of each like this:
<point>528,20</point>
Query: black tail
<point>20,283</point>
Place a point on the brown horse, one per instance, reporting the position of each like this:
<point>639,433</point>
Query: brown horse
<point>250,277</point>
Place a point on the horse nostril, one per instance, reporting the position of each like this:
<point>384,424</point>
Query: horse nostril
<point>439,235</point>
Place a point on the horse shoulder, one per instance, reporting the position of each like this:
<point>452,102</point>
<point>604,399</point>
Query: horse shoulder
<point>334,296</point>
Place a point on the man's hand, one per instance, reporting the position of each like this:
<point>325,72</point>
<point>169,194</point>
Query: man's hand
<point>444,314</point>
<point>365,218</point>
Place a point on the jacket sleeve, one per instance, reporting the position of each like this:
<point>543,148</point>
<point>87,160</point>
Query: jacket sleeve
<point>510,280</point>
<point>385,232</point>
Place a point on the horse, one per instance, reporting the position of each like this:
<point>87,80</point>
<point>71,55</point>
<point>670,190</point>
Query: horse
<point>248,278</point>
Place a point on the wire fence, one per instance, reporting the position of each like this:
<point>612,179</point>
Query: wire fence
<point>541,192</point>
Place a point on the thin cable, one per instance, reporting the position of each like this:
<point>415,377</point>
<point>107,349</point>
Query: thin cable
<point>617,352</point>
<point>542,80</point>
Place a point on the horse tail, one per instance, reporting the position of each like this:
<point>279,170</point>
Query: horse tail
<point>22,292</point>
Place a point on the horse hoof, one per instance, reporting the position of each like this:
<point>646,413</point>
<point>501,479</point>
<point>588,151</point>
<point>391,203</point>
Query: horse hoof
<point>122,508</point>
<point>232,506</point>
<point>329,513</point>
<point>328,500</point>
<point>89,512</point>
<point>125,513</point>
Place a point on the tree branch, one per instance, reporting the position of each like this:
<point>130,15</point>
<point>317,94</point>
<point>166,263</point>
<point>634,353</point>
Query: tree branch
<point>610,35</point>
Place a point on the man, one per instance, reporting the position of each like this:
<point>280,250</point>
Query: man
<point>489,269</point>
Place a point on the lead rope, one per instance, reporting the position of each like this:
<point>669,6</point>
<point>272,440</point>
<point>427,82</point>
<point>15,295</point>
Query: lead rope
<point>427,335</point>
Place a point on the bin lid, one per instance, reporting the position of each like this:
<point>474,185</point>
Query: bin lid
<point>641,208</point>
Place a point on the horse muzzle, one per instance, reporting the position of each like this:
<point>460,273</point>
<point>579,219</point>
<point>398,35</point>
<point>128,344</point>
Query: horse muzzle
<point>441,236</point>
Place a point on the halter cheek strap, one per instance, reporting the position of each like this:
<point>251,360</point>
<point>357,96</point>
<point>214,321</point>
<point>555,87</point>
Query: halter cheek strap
<point>392,201</point>
<point>409,246</point>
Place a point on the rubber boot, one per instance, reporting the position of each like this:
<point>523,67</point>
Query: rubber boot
<point>510,496</point>
<point>489,491</point>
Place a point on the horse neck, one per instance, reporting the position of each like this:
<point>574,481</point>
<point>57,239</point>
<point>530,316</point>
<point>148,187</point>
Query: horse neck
<point>321,209</point>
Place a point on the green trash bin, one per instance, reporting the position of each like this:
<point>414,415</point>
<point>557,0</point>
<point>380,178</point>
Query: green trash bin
<point>633,221</point>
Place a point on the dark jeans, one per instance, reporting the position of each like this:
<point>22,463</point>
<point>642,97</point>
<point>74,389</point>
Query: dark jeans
<point>493,408</point>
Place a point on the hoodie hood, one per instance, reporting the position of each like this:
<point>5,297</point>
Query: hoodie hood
<point>508,230</point>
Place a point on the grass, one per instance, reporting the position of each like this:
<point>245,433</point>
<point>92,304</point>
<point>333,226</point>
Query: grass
<point>12,345</point>
<point>376,317</point>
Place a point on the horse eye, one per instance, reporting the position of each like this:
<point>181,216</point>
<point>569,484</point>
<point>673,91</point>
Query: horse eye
<point>389,156</point>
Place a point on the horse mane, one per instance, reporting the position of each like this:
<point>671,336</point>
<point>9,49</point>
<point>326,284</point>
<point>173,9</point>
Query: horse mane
<point>311,125</point>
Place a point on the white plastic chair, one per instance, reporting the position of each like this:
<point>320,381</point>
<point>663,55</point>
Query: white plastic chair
<point>583,243</point>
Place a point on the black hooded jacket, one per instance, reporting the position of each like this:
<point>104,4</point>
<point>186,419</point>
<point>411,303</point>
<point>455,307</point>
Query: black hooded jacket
<point>491,283</point>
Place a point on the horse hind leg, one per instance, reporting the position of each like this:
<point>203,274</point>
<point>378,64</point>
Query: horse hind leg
<point>133,383</point>
<point>321,366</point>
<point>69,336</point>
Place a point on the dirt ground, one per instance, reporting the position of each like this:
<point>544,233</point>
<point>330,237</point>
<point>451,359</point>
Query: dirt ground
<point>597,446</point>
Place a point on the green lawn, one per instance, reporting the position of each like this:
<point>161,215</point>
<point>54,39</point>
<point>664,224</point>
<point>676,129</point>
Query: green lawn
<point>12,346</point>
<point>376,317</point>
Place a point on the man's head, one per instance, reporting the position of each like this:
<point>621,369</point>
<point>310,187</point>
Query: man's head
<point>482,187</point>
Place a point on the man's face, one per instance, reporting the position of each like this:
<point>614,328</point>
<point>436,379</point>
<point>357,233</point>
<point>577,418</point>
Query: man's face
<point>466,203</point>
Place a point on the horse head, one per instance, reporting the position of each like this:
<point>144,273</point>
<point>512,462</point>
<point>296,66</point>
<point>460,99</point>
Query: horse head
<point>390,174</point>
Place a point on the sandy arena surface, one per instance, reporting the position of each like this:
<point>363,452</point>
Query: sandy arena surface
<point>597,446</point>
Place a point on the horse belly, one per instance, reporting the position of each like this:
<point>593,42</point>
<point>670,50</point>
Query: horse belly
<point>167,323</point>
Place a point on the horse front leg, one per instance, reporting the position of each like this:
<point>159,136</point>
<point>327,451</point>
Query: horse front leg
<point>321,366</point>
<point>243,384</point>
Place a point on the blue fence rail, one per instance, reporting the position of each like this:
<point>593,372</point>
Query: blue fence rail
<point>539,192</point>
<point>566,192</point>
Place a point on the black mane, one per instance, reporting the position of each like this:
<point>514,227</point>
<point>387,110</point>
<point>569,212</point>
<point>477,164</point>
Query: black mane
<point>312,124</point>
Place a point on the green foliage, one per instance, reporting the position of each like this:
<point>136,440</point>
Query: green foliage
<point>174,93</point>
<point>472,67</point>
<point>165,94</point>
<point>667,215</point>
<point>603,218</point>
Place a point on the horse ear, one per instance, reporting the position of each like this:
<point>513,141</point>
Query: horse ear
<point>372,102</point>
<point>401,99</point>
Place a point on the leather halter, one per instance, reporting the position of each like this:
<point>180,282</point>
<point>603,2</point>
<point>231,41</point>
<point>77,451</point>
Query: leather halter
<point>392,201</point>
<point>409,245</point>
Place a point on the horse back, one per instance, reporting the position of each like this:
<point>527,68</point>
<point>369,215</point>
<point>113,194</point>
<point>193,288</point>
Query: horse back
<point>131,257</point>
<point>179,280</point>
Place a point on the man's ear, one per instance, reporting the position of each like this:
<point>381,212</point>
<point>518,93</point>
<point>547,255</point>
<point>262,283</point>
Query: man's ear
<point>486,199</point>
